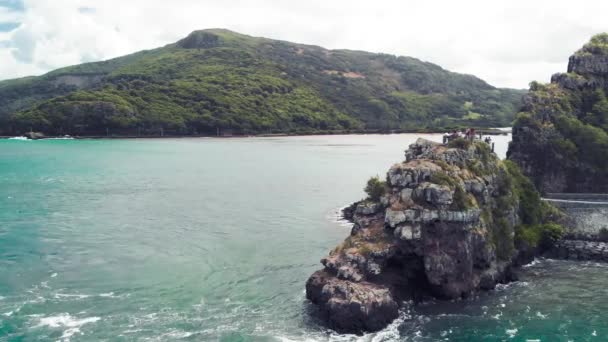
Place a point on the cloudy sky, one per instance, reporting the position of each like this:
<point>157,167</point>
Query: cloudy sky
<point>507,43</point>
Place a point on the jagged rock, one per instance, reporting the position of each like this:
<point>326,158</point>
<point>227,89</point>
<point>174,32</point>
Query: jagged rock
<point>351,306</point>
<point>408,232</point>
<point>368,208</point>
<point>427,236</point>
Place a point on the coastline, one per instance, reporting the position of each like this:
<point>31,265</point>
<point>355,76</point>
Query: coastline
<point>484,131</point>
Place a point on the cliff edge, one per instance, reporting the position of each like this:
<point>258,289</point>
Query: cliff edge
<point>447,222</point>
<point>560,138</point>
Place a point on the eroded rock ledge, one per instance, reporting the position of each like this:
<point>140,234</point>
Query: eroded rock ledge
<point>443,226</point>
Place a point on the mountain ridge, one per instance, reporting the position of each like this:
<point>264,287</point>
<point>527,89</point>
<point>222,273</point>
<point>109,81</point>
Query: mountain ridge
<point>218,79</point>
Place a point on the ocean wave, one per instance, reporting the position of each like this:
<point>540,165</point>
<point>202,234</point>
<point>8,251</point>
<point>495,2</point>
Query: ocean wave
<point>533,263</point>
<point>19,138</point>
<point>503,287</point>
<point>390,333</point>
<point>336,216</point>
<point>511,332</point>
<point>65,321</point>
<point>67,295</point>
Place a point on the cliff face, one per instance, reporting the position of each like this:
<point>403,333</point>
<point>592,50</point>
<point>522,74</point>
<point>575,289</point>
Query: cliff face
<point>560,138</point>
<point>442,225</point>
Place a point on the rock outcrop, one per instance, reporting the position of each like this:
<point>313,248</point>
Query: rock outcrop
<point>34,135</point>
<point>445,227</point>
<point>560,138</point>
<point>580,250</point>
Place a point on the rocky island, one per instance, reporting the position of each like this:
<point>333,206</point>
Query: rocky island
<point>448,221</point>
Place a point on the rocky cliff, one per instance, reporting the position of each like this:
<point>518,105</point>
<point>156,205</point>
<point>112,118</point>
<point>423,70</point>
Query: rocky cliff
<point>448,221</point>
<point>560,139</point>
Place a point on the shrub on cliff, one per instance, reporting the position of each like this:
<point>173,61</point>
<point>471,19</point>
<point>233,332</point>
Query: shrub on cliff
<point>530,204</point>
<point>539,235</point>
<point>375,188</point>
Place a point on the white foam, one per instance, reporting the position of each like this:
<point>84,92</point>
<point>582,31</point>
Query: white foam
<point>179,334</point>
<point>533,263</point>
<point>336,216</point>
<point>19,138</point>
<point>67,321</point>
<point>108,295</point>
<point>67,295</point>
<point>53,275</point>
<point>511,332</point>
<point>540,315</point>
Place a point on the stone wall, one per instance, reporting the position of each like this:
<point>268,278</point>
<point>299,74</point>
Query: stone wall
<point>587,214</point>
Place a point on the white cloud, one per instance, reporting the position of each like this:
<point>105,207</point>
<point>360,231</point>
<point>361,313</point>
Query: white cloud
<point>506,43</point>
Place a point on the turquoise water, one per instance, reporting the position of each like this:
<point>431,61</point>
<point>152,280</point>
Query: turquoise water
<point>213,239</point>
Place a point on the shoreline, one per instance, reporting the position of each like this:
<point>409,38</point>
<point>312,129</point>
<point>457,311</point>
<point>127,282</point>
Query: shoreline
<point>484,131</point>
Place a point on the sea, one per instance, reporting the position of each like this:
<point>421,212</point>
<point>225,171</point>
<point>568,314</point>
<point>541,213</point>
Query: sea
<point>213,239</point>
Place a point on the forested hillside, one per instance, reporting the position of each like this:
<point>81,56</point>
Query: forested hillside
<point>218,80</point>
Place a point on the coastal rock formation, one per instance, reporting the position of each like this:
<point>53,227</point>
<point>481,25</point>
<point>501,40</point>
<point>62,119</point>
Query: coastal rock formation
<point>448,221</point>
<point>580,250</point>
<point>560,138</point>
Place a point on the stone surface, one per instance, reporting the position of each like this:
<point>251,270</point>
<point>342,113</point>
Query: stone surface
<point>426,237</point>
<point>351,306</point>
<point>580,250</point>
<point>34,135</point>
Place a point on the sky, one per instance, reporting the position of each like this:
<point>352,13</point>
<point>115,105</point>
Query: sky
<point>507,43</point>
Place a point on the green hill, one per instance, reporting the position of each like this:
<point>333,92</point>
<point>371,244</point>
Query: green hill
<point>218,79</point>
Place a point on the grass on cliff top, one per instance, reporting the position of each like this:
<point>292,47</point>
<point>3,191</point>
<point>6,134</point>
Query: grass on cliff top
<point>597,45</point>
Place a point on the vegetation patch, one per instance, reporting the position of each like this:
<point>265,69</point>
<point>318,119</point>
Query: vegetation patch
<point>442,178</point>
<point>463,200</point>
<point>375,188</point>
<point>461,143</point>
<point>539,235</point>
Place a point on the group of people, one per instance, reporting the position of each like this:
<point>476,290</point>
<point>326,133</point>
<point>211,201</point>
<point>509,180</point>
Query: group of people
<point>468,134</point>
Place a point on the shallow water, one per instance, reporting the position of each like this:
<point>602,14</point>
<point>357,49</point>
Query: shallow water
<point>213,239</point>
